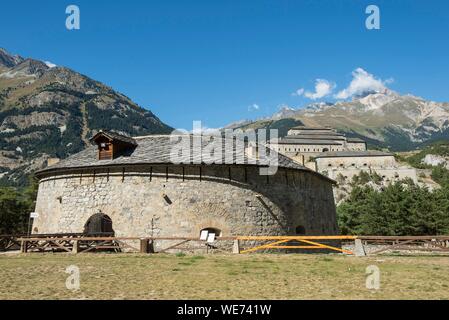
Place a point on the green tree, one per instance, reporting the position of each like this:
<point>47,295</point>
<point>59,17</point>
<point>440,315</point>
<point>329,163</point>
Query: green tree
<point>13,212</point>
<point>440,175</point>
<point>401,208</point>
<point>15,207</point>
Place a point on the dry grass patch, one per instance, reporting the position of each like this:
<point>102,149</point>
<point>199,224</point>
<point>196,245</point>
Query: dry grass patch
<point>256,276</point>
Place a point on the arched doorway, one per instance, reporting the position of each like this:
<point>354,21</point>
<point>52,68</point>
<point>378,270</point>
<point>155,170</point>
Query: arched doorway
<point>99,224</point>
<point>300,230</point>
<point>209,234</point>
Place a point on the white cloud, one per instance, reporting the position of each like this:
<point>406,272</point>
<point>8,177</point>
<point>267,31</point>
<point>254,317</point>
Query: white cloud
<point>362,82</point>
<point>50,65</point>
<point>253,107</point>
<point>322,89</point>
<point>204,130</point>
<point>211,131</point>
<point>197,128</point>
<point>298,92</point>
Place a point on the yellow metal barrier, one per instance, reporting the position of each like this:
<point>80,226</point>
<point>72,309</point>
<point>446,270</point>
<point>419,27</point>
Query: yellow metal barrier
<point>310,241</point>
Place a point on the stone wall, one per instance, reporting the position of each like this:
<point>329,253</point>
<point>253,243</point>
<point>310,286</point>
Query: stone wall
<point>393,174</point>
<point>327,163</point>
<point>356,146</point>
<point>180,201</point>
<point>306,149</point>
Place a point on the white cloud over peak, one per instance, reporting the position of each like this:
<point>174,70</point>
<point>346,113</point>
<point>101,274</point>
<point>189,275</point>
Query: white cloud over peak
<point>253,107</point>
<point>362,82</point>
<point>322,88</point>
<point>298,92</point>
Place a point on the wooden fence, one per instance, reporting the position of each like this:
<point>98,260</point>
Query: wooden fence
<point>82,243</point>
<point>351,245</point>
<point>9,243</point>
<point>381,244</point>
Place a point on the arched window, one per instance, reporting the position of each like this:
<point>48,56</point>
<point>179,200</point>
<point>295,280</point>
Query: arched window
<point>325,149</point>
<point>99,224</point>
<point>300,230</point>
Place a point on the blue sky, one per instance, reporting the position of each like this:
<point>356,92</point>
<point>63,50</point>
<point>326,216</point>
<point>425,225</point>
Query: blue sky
<point>212,60</point>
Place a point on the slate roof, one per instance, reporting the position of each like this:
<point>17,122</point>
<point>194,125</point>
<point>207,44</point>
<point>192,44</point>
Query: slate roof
<point>314,137</point>
<point>311,128</point>
<point>309,141</point>
<point>337,154</point>
<point>156,149</point>
<point>115,137</point>
<point>355,140</point>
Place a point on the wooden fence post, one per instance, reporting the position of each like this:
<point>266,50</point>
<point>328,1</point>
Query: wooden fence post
<point>150,246</point>
<point>143,245</point>
<point>146,246</point>
<point>23,246</point>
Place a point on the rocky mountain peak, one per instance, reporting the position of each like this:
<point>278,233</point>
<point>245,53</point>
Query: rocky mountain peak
<point>383,119</point>
<point>318,106</point>
<point>8,60</point>
<point>376,100</point>
<point>51,111</point>
<point>284,111</point>
<point>30,67</point>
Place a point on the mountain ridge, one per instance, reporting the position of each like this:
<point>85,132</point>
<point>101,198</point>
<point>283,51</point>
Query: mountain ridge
<point>385,119</point>
<point>51,111</point>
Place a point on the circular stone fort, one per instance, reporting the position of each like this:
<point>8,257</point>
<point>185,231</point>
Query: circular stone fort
<point>130,187</point>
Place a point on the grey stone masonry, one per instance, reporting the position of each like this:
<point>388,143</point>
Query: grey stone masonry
<point>180,200</point>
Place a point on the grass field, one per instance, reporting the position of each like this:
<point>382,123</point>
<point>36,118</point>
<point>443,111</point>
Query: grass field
<point>257,276</point>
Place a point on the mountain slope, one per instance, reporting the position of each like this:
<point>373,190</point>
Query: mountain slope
<point>384,119</point>
<point>48,111</point>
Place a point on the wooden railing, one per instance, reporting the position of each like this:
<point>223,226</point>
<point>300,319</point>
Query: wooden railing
<point>352,245</point>
<point>9,243</point>
<point>83,243</point>
<point>402,243</point>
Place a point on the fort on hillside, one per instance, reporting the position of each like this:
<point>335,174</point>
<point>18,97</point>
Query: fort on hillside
<point>324,150</point>
<point>304,143</point>
<point>129,187</point>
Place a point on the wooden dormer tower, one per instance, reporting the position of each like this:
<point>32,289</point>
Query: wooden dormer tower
<point>111,145</point>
